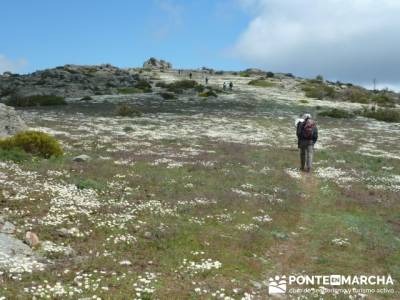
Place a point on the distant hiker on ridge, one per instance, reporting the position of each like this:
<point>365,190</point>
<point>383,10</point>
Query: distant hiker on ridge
<point>190,75</point>
<point>307,136</point>
<point>230,85</point>
<point>206,80</point>
<point>224,86</point>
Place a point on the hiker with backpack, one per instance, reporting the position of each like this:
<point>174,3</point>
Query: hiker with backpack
<point>307,136</point>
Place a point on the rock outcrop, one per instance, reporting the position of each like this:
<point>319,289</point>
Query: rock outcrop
<point>68,81</point>
<point>10,121</point>
<point>15,256</point>
<point>154,63</point>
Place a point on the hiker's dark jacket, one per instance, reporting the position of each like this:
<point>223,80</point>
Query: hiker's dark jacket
<point>301,141</point>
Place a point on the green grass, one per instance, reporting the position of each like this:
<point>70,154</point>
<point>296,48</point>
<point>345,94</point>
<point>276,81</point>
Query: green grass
<point>15,155</point>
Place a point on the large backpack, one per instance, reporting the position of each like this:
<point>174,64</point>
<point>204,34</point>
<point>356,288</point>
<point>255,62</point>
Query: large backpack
<point>308,129</point>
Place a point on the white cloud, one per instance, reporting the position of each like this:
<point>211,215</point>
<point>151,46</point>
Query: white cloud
<point>353,40</point>
<point>7,64</point>
<point>169,19</point>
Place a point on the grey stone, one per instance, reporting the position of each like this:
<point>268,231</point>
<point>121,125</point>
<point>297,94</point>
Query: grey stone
<point>154,63</point>
<point>17,257</point>
<point>10,121</point>
<point>63,232</point>
<point>82,158</point>
<point>11,246</point>
<point>7,227</point>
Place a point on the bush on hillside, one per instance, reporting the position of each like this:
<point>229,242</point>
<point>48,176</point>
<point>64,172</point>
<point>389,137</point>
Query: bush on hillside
<point>125,110</point>
<point>86,98</point>
<point>144,86</point>
<point>33,142</point>
<point>129,90</point>
<point>383,99</point>
<point>336,113</point>
<point>270,75</point>
<point>208,93</point>
<point>356,94</point>
<point>386,115</point>
<point>36,100</point>
<point>261,83</point>
<point>318,90</point>
<point>167,95</point>
<point>162,84</point>
<point>181,85</point>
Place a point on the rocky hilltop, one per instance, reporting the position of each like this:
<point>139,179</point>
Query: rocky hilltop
<point>154,63</point>
<point>68,81</point>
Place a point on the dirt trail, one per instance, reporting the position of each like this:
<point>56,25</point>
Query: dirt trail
<point>288,255</point>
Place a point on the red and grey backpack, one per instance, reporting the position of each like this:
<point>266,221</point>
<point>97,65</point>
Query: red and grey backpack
<point>308,129</point>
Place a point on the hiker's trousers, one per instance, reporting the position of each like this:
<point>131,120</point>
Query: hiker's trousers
<point>306,156</point>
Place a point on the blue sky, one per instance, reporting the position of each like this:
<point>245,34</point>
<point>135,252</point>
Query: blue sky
<point>347,40</point>
<point>47,33</point>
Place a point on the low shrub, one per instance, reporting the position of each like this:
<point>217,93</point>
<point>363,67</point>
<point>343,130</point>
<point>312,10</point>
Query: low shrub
<point>33,142</point>
<point>208,93</point>
<point>144,86</point>
<point>167,95</point>
<point>181,85</point>
<point>87,98</point>
<point>383,99</point>
<point>89,184</point>
<point>125,110</point>
<point>162,84</point>
<point>129,90</point>
<point>14,154</point>
<point>336,113</point>
<point>199,88</point>
<point>36,100</point>
<point>318,90</point>
<point>261,83</point>
<point>386,115</point>
<point>356,94</point>
<point>244,74</point>
<point>270,75</point>
<point>128,129</point>
<point>303,101</point>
